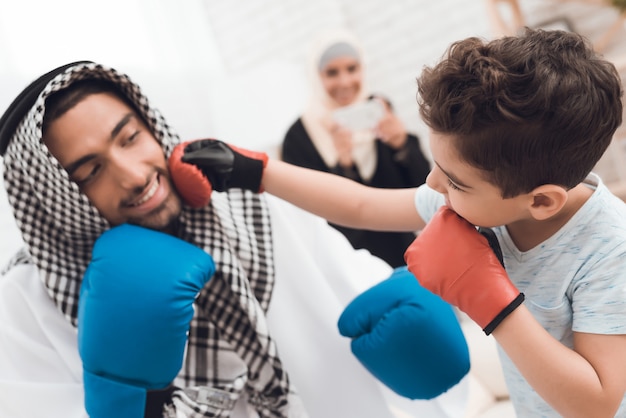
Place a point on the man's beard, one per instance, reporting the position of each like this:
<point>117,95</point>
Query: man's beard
<point>163,217</point>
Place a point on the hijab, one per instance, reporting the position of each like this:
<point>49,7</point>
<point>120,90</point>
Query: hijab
<point>230,349</point>
<point>325,47</point>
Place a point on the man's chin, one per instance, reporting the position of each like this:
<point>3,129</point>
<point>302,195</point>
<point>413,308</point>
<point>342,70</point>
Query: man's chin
<point>161,219</point>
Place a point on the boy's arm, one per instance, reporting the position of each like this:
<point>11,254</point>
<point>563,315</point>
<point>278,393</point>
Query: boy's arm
<point>587,381</point>
<point>452,259</point>
<point>210,164</point>
<point>342,201</point>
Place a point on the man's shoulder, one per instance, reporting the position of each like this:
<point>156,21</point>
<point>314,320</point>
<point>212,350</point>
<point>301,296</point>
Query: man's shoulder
<point>21,257</point>
<point>20,282</point>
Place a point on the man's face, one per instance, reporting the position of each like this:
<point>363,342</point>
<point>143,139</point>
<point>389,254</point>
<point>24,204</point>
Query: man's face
<point>467,192</point>
<point>109,152</point>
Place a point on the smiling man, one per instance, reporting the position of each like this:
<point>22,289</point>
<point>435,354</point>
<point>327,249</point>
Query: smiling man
<point>117,162</point>
<point>102,164</point>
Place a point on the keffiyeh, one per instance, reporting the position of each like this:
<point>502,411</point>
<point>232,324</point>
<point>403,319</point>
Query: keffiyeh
<point>230,351</point>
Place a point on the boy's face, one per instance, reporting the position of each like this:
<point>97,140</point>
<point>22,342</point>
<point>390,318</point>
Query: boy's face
<point>116,161</point>
<point>467,192</point>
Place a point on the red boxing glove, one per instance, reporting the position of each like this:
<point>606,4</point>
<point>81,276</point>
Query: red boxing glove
<point>453,260</point>
<point>193,186</point>
<point>199,167</point>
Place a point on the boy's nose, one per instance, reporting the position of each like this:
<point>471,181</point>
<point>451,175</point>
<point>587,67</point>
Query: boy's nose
<point>435,180</point>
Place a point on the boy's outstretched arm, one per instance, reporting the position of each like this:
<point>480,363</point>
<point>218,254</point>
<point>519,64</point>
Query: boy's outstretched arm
<point>341,200</point>
<point>199,167</point>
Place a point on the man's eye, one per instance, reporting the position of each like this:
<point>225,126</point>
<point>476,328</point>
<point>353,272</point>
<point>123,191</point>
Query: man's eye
<point>89,177</point>
<point>132,138</point>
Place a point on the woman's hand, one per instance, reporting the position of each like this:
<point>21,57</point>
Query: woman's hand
<point>390,129</point>
<point>342,139</point>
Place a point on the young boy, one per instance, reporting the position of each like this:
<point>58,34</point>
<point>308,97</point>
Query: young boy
<point>517,124</point>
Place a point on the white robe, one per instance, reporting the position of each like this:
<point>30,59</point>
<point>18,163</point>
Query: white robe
<point>317,275</point>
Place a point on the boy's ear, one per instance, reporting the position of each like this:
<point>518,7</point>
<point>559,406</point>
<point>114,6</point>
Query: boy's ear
<point>547,200</point>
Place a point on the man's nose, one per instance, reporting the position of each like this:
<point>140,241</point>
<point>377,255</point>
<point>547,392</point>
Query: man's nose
<point>130,172</point>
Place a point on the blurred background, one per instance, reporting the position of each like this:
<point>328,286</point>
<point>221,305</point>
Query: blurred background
<point>235,70</point>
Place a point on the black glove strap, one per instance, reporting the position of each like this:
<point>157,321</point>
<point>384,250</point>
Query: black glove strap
<point>505,312</point>
<point>224,167</point>
<point>156,400</point>
<point>495,246</point>
<point>214,158</point>
<point>493,242</point>
<point>247,173</point>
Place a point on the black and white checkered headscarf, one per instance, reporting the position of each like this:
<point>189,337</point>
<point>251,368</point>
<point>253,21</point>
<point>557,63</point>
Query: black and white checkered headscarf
<point>230,351</point>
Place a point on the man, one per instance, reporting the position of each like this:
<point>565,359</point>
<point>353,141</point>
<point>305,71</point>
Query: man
<point>84,158</point>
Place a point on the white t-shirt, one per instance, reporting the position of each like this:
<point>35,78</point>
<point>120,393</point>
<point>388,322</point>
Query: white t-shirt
<point>573,281</point>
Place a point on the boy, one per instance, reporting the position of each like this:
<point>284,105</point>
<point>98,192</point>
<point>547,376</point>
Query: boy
<point>517,124</point>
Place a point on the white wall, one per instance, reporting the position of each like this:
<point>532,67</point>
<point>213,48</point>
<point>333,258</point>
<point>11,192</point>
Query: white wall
<point>399,38</point>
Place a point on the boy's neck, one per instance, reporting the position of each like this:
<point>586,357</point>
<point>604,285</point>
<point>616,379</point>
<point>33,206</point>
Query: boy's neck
<point>527,234</point>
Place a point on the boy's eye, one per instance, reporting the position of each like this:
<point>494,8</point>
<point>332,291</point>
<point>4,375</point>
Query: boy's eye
<point>453,186</point>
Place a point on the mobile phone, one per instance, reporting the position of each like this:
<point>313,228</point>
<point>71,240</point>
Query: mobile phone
<point>364,115</point>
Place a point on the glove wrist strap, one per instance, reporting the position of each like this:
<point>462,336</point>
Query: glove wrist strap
<point>246,174</point>
<point>504,313</point>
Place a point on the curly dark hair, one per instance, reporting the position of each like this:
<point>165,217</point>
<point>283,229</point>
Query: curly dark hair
<point>539,108</point>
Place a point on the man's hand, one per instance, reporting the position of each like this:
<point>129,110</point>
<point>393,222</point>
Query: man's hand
<point>135,306</point>
<point>453,260</point>
<point>407,337</point>
<point>198,167</point>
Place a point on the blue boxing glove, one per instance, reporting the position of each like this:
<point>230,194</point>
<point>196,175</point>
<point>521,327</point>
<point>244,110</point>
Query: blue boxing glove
<point>407,337</point>
<point>134,311</point>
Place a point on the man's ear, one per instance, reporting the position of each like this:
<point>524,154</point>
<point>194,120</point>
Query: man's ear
<point>547,200</point>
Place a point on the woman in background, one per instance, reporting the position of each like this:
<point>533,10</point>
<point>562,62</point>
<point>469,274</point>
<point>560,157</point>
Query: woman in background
<point>379,152</point>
